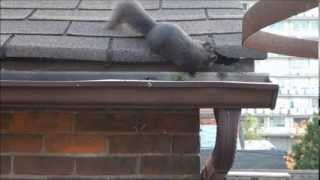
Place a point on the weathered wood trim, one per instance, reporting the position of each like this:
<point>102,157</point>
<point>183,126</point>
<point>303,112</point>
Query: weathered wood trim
<point>27,64</point>
<point>87,89</point>
<point>132,75</point>
<point>221,160</point>
<point>137,93</point>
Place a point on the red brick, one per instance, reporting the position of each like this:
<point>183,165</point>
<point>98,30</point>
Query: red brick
<point>140,144</point>
<point>186,144</point>
<point>146,120</point>
<point>106,166</point>
<point>41,121</point>
<point>170,165</point>
<point>20,143</point>
<point>43,165</point>
<point>24,178</point>
<point>180,121</point>
<point>120,178</point>
<point>119,121</point>
<point>182,177</point>
<point>5,165</point>
<point>68,143</point>
<point>5,118</point>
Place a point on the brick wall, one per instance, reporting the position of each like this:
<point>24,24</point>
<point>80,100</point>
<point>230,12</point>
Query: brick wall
<point>127,144</point>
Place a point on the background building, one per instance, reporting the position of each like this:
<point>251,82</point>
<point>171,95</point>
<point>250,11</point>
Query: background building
<point>298,100</point>
<point>299,88</point>
<point>298,80</point>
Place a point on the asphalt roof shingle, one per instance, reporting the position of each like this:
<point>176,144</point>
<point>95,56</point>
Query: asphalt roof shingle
<point>15,14</point>
<point>225,13</point>
<point>79,15</point>
<point>178,14</point>
<point>211,27</point>
<point>227,39</point>
<point>39,4</point>
<point>253,159</point>
<point>74,29</point>
<point>34,27</point>
<point>3,39</point>
<point>105,15</point>
<point>99,29</point>
<point>216,4</point>
<point>109,4</point>
<point>60,47</point>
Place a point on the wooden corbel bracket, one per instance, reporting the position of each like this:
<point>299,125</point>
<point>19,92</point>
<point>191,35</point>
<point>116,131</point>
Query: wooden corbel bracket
<point>221,159</point>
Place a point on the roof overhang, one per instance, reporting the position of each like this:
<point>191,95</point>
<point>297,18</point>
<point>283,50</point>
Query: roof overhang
<point>102,92</point>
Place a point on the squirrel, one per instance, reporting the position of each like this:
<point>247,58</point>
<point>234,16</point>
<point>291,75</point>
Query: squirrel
<point>165,39</point>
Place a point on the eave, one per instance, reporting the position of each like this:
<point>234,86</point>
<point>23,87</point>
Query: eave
<point>118,92</point>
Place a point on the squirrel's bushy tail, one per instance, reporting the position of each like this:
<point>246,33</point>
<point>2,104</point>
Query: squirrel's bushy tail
<point>132,13</point>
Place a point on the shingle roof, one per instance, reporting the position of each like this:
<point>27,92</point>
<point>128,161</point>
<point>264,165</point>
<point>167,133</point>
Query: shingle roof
<point>253,159</point>
<point>76,29</point>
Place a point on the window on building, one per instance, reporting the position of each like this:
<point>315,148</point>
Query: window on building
<point>277,121</point>
<point>299,120</point>
<point>277,27</point>
<point>245,6</point>
<point>314,102</point>
<point>300,26</point>
<point>291,104</point>
<point>314,24</point>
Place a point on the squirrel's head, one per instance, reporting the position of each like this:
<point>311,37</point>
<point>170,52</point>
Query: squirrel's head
<point>208,62</point>
<point>205,56</point>
<point>198,58</point>
<point>198,63</point>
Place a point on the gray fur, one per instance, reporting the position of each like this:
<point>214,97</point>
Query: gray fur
<point>165,39</point>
